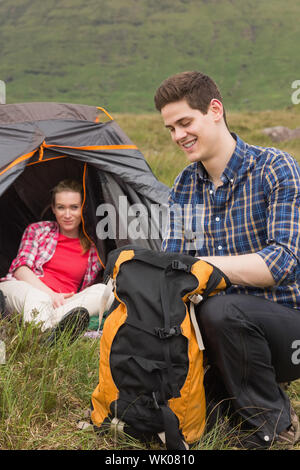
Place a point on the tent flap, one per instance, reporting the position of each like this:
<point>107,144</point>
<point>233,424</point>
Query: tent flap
<point>43,143</point>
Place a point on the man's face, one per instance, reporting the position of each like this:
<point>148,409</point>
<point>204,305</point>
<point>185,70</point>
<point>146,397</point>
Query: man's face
<point>193,131</point>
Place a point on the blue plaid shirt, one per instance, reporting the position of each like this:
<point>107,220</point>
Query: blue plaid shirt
<point>256,210</point>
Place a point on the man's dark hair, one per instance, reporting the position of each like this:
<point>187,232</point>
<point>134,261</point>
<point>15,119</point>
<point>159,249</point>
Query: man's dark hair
<point>195,87</point>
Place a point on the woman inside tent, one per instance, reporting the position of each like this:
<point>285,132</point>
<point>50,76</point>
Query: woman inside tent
<point>52,279</point>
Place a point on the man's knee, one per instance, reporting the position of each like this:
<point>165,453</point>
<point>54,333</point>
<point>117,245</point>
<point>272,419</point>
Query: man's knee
<point>219,311</point>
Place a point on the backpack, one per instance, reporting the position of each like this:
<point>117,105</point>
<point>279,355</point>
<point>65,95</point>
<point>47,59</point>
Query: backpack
<point>151,351</point>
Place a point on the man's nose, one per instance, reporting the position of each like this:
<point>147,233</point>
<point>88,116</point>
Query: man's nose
<point>179,134</point>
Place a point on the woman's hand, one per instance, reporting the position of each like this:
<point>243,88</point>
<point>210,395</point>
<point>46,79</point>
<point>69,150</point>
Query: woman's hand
<point>23,273</point>
<point>58,298</point>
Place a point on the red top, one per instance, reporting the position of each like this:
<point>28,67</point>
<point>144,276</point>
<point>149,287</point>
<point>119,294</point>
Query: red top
<point>65,270</point>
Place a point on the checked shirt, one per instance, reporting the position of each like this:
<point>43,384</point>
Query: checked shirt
<point>37,247</point>
<point>256,210</point>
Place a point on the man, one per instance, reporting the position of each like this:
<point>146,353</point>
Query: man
<point>249,199</point>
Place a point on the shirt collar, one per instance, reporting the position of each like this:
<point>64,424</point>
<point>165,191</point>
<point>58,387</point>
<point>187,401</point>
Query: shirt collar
<point>236,159</point>
<point>233,165</point>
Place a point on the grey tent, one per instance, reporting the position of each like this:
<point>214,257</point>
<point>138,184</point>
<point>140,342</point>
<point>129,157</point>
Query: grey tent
<point>43,143</point>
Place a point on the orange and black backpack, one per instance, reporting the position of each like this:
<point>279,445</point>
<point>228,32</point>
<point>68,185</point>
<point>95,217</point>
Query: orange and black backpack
<point>151,351</point>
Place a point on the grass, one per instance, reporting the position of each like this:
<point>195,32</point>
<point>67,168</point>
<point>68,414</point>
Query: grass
<point>166,160</point>
<point>45,392</point>
<point>121,53</point>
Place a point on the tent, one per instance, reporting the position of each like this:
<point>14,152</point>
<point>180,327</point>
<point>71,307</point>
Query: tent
<point>43,143</point>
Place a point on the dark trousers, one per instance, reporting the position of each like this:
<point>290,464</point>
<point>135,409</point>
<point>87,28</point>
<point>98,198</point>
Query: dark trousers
<point>251,345</point>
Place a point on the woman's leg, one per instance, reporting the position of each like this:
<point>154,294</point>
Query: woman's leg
<point>96,299</point>
<point>34,304</point>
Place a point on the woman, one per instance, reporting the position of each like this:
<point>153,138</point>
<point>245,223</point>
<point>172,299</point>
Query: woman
<point>51,280</point>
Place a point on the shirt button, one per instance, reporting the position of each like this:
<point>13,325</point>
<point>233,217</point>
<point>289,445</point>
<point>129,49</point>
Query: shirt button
<point>217,219</point>
<point>220,247</point>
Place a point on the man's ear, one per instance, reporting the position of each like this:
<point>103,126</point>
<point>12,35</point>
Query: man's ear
<point>216,107</point>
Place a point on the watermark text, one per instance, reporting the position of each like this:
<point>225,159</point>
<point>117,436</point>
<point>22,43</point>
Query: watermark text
<point>296,94</point>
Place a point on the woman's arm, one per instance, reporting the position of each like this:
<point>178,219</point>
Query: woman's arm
<point>24,273</point>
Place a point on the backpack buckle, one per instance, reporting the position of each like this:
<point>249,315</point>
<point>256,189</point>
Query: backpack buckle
<point>179,266</point>
<point>162,333</point>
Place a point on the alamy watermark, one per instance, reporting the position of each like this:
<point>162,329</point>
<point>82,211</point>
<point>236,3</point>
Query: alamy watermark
<point>296,94</point>
<point>2,92</point>
<point>296,354</point>
<point>137,221</point>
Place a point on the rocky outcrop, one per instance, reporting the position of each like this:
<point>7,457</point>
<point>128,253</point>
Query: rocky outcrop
<point>279,133</point>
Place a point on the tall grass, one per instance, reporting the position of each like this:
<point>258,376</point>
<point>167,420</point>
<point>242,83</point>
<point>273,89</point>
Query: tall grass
<point>166,160</point>
<point>121,53</point>
<point>45,391</point>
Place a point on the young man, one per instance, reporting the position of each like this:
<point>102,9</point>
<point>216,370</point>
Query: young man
<point>241,204</point>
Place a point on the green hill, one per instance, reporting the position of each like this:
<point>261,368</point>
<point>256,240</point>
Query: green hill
<point>114,53</point>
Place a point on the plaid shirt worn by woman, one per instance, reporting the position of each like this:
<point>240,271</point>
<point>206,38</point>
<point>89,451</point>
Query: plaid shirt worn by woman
<point>256,210</point>
<point>37,247</point>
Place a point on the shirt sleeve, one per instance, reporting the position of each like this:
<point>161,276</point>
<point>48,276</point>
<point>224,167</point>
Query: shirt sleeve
<point>27,250</point>
<point>282,184</point>
<point>93,269</point>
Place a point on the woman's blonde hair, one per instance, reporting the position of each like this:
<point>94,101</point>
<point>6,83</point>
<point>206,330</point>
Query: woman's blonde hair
<point>76,187</point>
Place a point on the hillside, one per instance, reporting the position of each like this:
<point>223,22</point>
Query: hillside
<point>114,53</point>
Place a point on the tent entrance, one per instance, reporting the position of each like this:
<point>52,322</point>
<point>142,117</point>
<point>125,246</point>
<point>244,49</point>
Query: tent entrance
<point>28,200</point>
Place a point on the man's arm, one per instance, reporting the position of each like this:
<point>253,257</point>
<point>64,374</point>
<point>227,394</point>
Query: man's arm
<point>243,270</point>
<point>275,263</point>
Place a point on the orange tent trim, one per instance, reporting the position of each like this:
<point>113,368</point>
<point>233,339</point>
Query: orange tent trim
<point>105,112</point>
<point>18,160</point>
<point>41,152</point>
<point>46,160</point>
<point>95,147</point>
<point>82,219</point>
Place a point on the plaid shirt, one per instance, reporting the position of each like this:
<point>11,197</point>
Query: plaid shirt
<point>37,247</point>
<point>256,210</point>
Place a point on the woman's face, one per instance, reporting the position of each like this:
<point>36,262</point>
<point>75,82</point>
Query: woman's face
<point>67,210</point>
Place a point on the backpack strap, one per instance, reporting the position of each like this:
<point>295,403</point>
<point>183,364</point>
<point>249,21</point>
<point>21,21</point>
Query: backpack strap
<point>172,436</point>
<point>174,440</point>
<point>166,333</point>
<point>195,299</point>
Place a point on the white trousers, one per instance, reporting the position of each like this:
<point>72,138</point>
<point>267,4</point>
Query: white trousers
<point>36,305</point>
